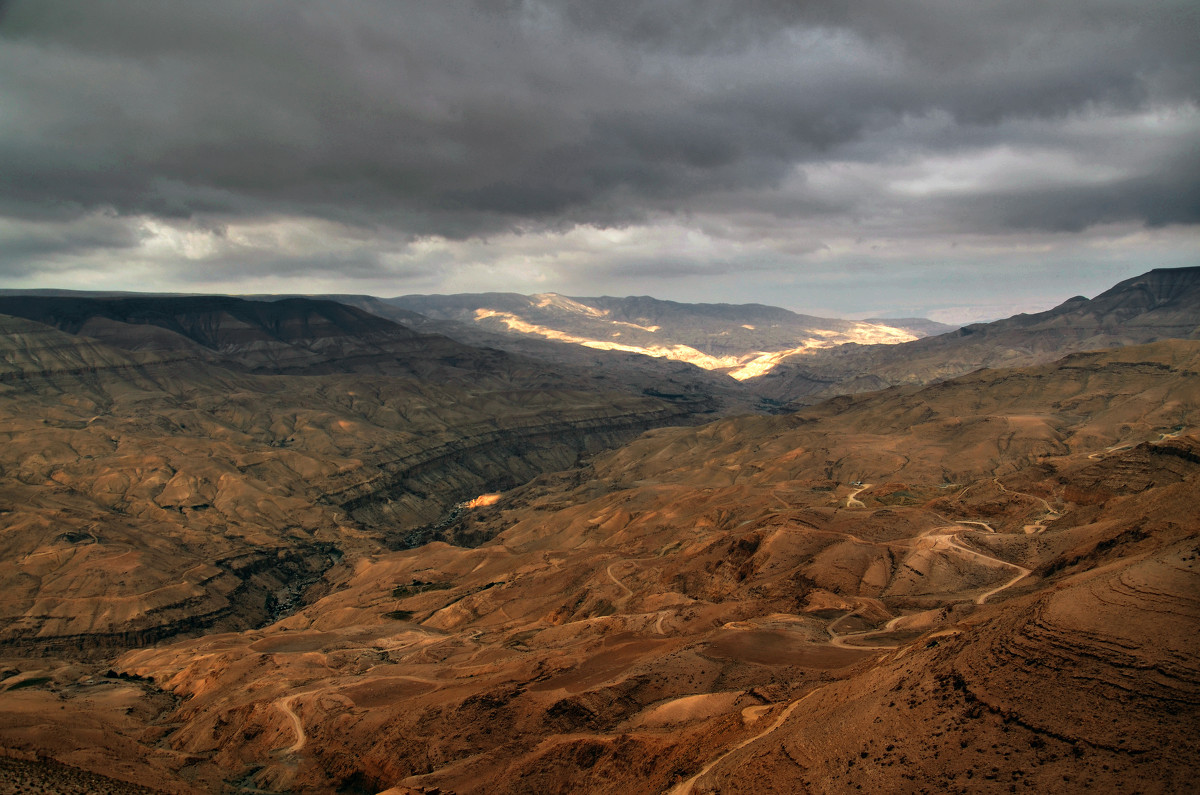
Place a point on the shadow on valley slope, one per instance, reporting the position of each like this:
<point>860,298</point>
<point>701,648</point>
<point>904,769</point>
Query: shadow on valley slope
<point>151,492</point>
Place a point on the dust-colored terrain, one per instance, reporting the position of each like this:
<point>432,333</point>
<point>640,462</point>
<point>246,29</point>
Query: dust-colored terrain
<point>988,584</point>
<point>155,492</point>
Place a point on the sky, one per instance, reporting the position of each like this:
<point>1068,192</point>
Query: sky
<point>939,158</point>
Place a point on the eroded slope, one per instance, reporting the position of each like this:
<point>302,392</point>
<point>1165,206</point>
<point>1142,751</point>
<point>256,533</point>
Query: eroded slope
<point>743,341</point>
<point>149,493</point>
<point>986,584</point>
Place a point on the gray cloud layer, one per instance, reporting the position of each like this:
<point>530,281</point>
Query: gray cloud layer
<point>460,119</point>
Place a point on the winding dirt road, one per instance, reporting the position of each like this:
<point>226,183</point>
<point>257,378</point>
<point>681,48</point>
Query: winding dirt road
<point>1162,437</point>
<point>1040,525</point>
<point>841,641</point>
<point>685,787</point>
<point>852,501</point>
<point>285,704</point>
<point>628,591</point>
<point>1045,505</point>
<point>1101,453</point>
<point>660,615</point>
<point>952,541</point>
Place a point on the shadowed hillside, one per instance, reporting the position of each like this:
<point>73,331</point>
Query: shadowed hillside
<point>155,491</point>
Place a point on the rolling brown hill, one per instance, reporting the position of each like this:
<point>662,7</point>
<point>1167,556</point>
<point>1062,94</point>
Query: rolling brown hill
<point>988,584</point>
<point>160,490</point>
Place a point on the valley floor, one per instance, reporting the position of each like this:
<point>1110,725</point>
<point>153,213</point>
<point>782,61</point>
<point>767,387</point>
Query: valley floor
<point>991,584</point>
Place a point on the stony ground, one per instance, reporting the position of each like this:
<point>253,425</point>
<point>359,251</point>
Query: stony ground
<point>45,777</point>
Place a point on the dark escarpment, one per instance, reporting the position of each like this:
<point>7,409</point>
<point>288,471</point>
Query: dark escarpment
<point>423,484</point>
<point>247,590</point>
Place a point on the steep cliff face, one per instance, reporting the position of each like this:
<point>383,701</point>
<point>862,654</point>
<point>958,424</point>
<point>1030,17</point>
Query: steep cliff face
<point>153,492</point>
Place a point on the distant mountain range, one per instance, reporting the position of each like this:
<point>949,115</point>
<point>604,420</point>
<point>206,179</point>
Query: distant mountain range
<point>786,360</point>
<point>691,352</point>
<point>740,340</point>
<point>1162,304</point>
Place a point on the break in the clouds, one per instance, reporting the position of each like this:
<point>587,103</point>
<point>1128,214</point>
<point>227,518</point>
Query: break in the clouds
<point>749,150</point>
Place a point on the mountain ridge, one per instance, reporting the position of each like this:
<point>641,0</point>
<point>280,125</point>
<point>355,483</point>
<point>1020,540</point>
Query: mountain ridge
<point>1160,304</point>
<point>742,340</point>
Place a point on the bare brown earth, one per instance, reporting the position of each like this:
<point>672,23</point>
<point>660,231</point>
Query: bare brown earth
<point>151,493</point>
<point>39,776</point>
<point>1011,604</point>
<point>987,584</point>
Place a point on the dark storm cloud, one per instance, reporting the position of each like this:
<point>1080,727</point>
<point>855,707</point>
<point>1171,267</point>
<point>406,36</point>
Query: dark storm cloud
<point>1157,200</point>
<point>25,246</point>
<point>458,118</point>
<point>231,266</point>
<point>667,267</point>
